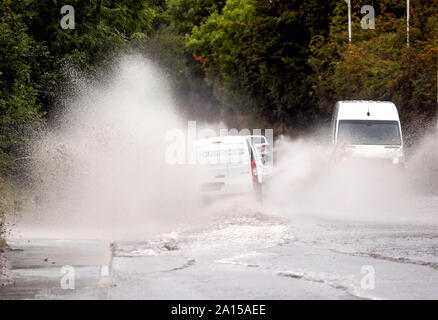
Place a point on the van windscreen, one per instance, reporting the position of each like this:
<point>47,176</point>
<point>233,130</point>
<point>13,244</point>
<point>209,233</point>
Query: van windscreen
<point>369,132</point>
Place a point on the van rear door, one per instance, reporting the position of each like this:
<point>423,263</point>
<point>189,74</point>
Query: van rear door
<point>239,167</point>
<point>214,176</point>
<point>227,167</point>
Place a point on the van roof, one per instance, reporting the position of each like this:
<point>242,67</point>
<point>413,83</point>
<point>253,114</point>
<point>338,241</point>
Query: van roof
<point>358,110</point>
<point>219,140</point>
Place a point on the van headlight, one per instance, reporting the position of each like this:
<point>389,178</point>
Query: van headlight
<point>395,161</point>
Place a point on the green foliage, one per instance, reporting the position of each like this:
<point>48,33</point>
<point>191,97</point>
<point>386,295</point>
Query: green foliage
<point>19,111</point>
<point>99,26</point>
<point>167,47</point>
<point>220,35</point>
<point>254,54</point>
<point>103,29</point>
<point>2,242</point>
<point>184,15</point>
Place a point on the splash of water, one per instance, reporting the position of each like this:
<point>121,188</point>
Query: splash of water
<point>102,171</point>
<point>311,179</point>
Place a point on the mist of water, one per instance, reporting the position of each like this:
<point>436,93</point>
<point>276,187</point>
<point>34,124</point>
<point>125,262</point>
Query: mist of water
<point>102,171</point>
<point>312,179</point>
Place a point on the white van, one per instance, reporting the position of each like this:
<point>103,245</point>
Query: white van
<point>368,129</point>
<point>229,165</point>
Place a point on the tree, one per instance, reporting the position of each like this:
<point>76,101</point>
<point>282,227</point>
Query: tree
<point>19,110</point>
<point>255,53</point>
<point>167,47</point>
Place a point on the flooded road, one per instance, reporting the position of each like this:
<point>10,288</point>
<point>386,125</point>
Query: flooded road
<point>245,253</point>
<point>56,269</point>
<point>262,257</point>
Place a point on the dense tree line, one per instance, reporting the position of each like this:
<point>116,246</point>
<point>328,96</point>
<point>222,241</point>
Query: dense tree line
<point>287,62</point>
<point>254,63</point>
<point>35,51</point>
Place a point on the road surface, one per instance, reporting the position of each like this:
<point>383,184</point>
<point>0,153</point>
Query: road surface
<point>244,253</point>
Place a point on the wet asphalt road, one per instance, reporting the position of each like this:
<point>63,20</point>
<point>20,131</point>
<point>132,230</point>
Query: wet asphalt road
<point>247,254</point>
<point>259,258</point>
